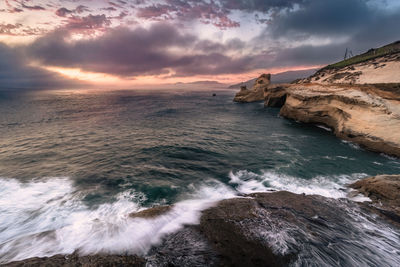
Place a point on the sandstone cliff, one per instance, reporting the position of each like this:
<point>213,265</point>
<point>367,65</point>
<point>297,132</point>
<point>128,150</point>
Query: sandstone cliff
<point>381,65</point>
<point>368,115</point>
<point>359,98</point>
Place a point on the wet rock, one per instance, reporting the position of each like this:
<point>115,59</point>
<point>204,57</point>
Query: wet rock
<point>262,229</point>
<point>151,212</point>
<point>188,247</point>
<point>384,191</point>
<point>84,261</point>
<point>282,228</point>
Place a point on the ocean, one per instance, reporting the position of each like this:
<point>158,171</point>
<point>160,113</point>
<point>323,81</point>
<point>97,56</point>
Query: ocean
<point>75,164</point>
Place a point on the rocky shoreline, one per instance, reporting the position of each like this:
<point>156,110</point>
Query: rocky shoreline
<point>282,228</point>
<point>364,114</point>
<point>261,229</point>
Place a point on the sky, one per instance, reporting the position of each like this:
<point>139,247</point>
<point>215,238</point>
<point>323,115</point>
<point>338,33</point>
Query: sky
<point>137,43</point>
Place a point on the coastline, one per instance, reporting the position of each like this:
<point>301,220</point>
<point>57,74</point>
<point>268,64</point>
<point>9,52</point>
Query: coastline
<point>294,227</point>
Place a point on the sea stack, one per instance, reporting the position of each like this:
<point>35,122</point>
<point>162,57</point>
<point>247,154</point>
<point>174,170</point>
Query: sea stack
<point>256,93</point>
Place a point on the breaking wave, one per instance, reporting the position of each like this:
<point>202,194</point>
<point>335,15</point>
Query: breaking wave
<point>247,182</point>
<point>44,218</point>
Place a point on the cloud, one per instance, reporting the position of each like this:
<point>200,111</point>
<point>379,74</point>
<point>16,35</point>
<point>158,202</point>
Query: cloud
<point>317,30</point>
<point>62,12</point>
<point>298,32</point>
<point>19,29</point>
<point>259,5</point>
<point>34,7</point>
<point>205,12</point>
<point>161,49</point>
<point>15,73</point>
<point>86,23</point>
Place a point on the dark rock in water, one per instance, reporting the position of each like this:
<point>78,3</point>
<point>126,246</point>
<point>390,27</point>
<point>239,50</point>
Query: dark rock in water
<point>263,229</point>
<point>282,228</point>
<point>151,212</point>
<point>76,260</point>
<point>214,94</point>
<point>384,191</point>
<point>188,247</point>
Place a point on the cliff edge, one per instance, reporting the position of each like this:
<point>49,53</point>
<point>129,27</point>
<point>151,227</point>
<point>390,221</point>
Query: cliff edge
<point>359,106</point>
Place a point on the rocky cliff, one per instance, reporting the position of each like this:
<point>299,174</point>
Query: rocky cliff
<point>359,98</point>
<point>368,115</point>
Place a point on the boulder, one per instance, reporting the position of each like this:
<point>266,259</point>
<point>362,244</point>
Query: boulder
<point>384,191</point>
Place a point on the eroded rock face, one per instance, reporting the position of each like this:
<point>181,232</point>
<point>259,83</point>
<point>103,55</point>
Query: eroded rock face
<point>256,93</point>
<point>368,115</point>
<point>384,191</point>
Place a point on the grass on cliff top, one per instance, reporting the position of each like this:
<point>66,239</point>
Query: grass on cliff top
<point>370,54</point>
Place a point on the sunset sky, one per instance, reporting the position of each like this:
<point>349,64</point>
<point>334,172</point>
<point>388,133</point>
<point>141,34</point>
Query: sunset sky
<point>132,43</point>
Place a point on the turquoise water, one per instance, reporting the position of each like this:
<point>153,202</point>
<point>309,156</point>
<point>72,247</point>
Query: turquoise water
<point>71,159</point>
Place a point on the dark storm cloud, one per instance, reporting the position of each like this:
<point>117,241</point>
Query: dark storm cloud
<point>128,53</point>
<point>360,24</point>
<point>326,18</point>
<point>15,73</point>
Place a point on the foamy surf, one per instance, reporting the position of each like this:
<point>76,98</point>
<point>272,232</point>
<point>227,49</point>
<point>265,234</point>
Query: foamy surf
<point>247,182</point>
<point>49,217</point>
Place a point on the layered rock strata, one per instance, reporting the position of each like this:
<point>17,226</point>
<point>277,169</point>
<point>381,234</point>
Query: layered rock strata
<point>368,115</point>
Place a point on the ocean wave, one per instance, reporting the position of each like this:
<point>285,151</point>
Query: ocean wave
<point>328,186</point>
<point>49,217</point>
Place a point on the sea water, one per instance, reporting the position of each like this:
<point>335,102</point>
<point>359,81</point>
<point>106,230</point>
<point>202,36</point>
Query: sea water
<point>75,164</point>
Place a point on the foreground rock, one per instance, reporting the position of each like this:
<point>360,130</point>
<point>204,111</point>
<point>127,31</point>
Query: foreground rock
<point>76,260</point>
<point>256,93</point>
<point>368,115</point>
<point>384,191</point>
<point>277,229</point>
<point>263,229</point>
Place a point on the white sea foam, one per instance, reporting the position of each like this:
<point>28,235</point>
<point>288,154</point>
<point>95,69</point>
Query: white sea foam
<point>48,217</point>
<point>332,186</point>
<point>324,127</point>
